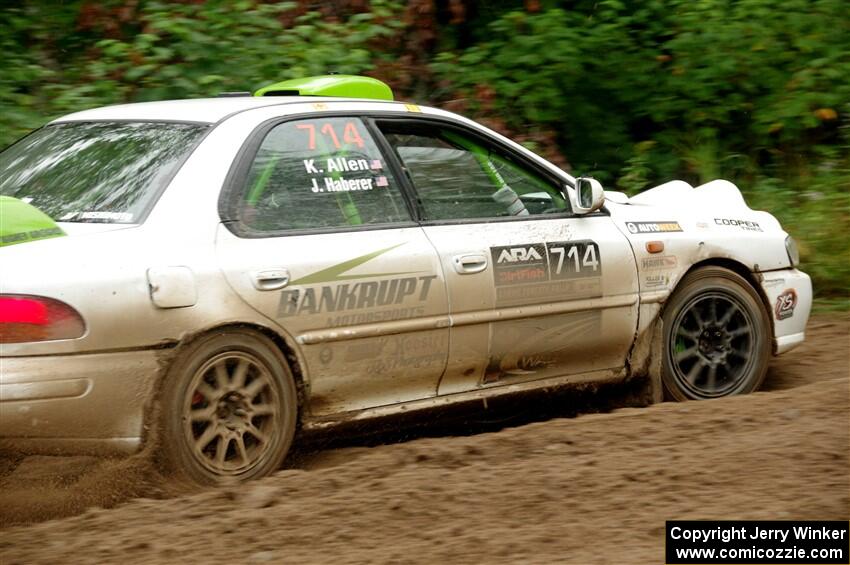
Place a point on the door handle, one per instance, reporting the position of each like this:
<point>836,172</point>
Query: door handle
<point>469,263</point>
<point>270,279</point>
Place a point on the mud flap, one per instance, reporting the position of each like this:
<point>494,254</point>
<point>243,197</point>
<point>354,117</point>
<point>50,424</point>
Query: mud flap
<point>645,360</point>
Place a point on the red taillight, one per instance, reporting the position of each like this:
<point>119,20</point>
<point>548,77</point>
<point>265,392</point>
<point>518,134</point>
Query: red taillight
<point>36,318</point>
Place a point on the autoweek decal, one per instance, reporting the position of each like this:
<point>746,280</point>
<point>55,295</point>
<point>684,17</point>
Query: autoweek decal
<point>653,227</point>
<point>390,289</point>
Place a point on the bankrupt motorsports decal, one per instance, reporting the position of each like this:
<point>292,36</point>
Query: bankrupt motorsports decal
<point>391,289</point>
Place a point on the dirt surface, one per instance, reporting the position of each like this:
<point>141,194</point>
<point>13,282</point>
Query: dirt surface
<point>591,489</point>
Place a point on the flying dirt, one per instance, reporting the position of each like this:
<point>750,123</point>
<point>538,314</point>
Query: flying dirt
<point>596,488</point>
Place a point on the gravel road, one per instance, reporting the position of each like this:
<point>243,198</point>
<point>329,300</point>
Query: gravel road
<point>595,488</point>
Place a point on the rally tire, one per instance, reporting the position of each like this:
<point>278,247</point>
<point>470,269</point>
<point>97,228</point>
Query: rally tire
<point>228,409</point>
<point>716,337</point>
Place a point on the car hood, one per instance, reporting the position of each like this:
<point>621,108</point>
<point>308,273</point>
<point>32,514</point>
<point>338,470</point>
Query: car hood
<point>715,194</point>
<point>711,203</point>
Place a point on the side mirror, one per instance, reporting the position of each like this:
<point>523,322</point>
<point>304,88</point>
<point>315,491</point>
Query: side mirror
<point>589,195</point>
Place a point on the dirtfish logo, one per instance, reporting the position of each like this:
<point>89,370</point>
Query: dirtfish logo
<point>353,296</point>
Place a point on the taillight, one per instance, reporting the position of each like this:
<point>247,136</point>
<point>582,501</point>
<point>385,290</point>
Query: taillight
<point>37,318</point>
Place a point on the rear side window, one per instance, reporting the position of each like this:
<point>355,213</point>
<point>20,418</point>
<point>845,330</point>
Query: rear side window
<point>96,171</point>
<point>319,173</point>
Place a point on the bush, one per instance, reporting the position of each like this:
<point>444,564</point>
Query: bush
<point>80,56</point>
<point>634,92</point>
<point>644,91</point>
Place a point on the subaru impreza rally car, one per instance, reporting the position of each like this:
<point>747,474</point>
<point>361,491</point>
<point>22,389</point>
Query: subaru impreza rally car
<point>216,273</point>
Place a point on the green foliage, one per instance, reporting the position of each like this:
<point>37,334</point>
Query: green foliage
<point>634,92</point>
<point>170,50</point>
<point>815,209</point>
<point>699,78</point>
<point>638,92</point>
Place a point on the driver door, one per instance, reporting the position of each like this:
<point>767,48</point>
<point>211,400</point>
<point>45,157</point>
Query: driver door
<point>534,291</point>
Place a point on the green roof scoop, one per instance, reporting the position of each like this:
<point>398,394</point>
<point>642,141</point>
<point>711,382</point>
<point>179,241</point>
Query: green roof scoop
<point>347,86</point>
<point>20,222</point>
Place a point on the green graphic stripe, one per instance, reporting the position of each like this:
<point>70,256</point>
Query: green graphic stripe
<point>335,273</point>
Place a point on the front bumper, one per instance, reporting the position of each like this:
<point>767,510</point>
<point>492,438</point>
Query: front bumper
<point>789,296</point>
<point>89,403</point>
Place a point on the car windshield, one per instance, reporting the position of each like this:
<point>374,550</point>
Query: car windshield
<point>106,172</point>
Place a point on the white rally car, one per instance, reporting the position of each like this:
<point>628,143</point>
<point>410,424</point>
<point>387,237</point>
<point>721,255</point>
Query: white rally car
<point>235,268</point>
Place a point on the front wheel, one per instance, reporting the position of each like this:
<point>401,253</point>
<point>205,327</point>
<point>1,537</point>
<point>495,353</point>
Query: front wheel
<point>228,408</point>
<point>716,337</point>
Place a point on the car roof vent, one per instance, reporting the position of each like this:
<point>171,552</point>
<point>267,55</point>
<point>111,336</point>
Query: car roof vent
<point>347,86</point>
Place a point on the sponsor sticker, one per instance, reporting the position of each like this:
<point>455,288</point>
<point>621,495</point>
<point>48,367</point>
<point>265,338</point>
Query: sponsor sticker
<point>337,292</point>
<point>664,262</point>
<point>785,304</point>
<point>357,296</point>
<point>35,234</point>
<point>326,355</point>
<point>656,281</point>
<point>541,262</point>
<point>743,224</point>
<point>409,353</point>
<point>107,216</point>
<point>534,272</point>
<point>653,227</point>
<point>519,264</point>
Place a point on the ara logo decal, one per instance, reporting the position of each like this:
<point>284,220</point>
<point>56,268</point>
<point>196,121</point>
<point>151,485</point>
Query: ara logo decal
<point>785,304</point>
<point>524,263</point>
<point>542,262</point>
<point>519,254</point>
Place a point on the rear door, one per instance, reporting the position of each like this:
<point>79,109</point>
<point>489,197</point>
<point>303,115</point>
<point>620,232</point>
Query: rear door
<point>534,291</point>
<point>319,238</point>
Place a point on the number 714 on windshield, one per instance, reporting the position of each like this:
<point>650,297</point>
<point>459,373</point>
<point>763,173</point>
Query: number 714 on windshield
<point>350,134</point>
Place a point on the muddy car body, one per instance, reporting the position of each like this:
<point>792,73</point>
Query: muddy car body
<point>318,259</point>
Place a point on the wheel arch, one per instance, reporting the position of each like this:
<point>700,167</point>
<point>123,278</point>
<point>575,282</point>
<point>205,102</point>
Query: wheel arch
<point>753,279</point>
<point>283,344</point>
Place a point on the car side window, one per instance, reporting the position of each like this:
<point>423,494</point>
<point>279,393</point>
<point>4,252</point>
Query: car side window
<point>319,173</point>
<point>458,176</point>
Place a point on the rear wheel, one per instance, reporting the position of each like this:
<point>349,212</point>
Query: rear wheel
<point>716,337</point>
<point>228,408</point>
